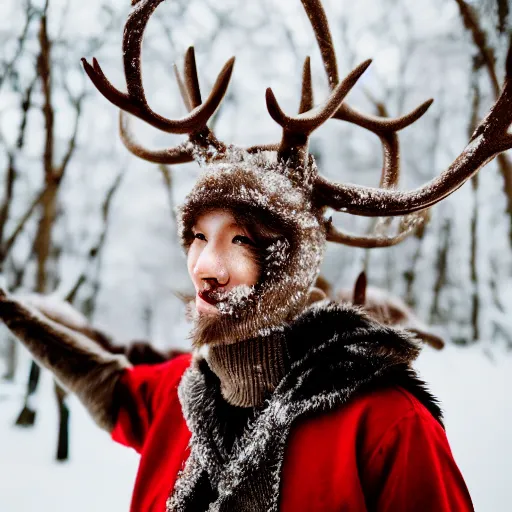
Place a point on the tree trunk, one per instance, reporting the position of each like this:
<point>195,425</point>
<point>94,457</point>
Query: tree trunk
<point>12,358</point>
<point>441,268</point>
<point>475,298</point>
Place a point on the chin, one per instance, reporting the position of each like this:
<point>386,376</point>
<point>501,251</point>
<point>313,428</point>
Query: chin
<point>203,308</point>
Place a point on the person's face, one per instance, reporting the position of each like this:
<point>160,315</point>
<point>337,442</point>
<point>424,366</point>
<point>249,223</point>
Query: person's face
<point>221,257</point>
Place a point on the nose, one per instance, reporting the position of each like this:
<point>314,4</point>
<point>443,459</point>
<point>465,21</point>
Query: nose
<point>211,267</point>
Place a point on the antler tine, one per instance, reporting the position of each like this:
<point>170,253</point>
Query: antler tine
<point>306,104</point>
<point>381,124</point>
<point>177,155</point>
<point>296,130</point>
<point>307,100</point>
<point>191,78</point>
<point>309,121</point>
<point>134,101</point>
<point>359,296</point>
<point>320,24</point>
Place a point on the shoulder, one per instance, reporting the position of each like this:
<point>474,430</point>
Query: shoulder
<point>382,409</point>
<point>385,406</point>
<point>370,418</point>
<point>391,419</point>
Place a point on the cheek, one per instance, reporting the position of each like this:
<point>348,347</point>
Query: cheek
<point>243,268</point>
<point>192,256</point>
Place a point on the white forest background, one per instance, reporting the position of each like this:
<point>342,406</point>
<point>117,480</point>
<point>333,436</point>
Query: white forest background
<point>458,279</point>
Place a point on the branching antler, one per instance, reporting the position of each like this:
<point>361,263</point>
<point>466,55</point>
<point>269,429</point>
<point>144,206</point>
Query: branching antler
<point>409,224</point>
<point>490,138</point>
<point>177,155</point>
<point>296,130</point>
<point>134,100</point>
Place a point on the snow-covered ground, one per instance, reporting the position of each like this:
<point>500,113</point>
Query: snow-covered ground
<point>473,388</point>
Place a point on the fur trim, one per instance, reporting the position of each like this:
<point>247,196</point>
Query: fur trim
<point>336,352</point>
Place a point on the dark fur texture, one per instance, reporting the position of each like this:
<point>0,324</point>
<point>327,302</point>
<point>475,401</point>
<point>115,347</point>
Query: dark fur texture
<point>236,456</point>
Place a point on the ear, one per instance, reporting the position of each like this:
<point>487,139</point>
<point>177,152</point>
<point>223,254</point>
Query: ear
<point>360,290</point>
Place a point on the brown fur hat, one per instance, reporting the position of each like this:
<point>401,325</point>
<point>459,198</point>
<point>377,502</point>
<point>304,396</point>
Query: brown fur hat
<point>258,187</point>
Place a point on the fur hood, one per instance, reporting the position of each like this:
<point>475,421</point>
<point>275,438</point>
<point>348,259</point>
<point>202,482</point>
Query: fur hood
<point>267,192</point>
<point>237,454</point>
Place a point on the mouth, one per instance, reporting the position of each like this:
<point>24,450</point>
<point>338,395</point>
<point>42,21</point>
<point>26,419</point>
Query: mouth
<point>209,296</point>
<point>216,299</point>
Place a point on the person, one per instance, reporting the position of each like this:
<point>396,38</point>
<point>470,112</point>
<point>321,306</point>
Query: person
<point>286,403</point>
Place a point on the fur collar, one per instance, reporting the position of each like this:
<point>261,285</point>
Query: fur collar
<point>237,454</point>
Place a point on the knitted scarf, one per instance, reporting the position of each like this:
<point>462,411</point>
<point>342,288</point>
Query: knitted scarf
<point>237,454</point>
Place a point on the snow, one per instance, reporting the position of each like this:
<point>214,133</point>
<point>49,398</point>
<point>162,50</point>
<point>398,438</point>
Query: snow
<point>474,393</point>
<point>471,385</point>
<point>99,475</point>
<point>233,298</point>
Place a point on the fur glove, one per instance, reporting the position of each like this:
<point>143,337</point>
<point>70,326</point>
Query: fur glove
<point>78,363</point>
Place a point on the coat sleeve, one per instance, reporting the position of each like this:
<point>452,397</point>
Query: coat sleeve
<point>413,468</point>
<point>142,391</point>
<point>80,364</point>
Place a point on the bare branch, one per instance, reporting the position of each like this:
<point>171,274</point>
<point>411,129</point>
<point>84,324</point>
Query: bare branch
<point>44,71</point>
<point>470,19</point>
<point>7,68</point>
<point>77,103</point>
<point>26,103</point>
<point>6,247</point>
<point>503,14</point>
<point>95,250</point>
<point>9,186</point>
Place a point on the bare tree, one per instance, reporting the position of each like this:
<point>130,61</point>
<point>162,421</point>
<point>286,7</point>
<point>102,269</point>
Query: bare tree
<point>487,59</point>
<point>45,202</point>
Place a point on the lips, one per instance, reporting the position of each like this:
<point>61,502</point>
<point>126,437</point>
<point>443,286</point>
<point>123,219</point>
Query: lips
<point>208,296</point>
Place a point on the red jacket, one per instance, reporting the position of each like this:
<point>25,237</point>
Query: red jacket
<point>382,451</point>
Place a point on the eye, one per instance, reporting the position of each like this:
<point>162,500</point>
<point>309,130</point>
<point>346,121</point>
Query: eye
<point>242,240</point>
<point>200,236</point>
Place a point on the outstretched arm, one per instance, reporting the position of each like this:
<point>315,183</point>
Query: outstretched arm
<point>62,312</point>
<point>80,364</point>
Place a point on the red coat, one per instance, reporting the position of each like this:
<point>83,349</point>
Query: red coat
<point>382,451</point>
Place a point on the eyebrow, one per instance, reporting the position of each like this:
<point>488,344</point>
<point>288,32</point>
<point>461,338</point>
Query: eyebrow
<point>231,225</point>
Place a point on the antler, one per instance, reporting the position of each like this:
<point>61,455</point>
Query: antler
<point>408,225</point>
<point>135,103</point>
<point>296,130</point>
<point>386,129</point>
<point>489,139</point>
